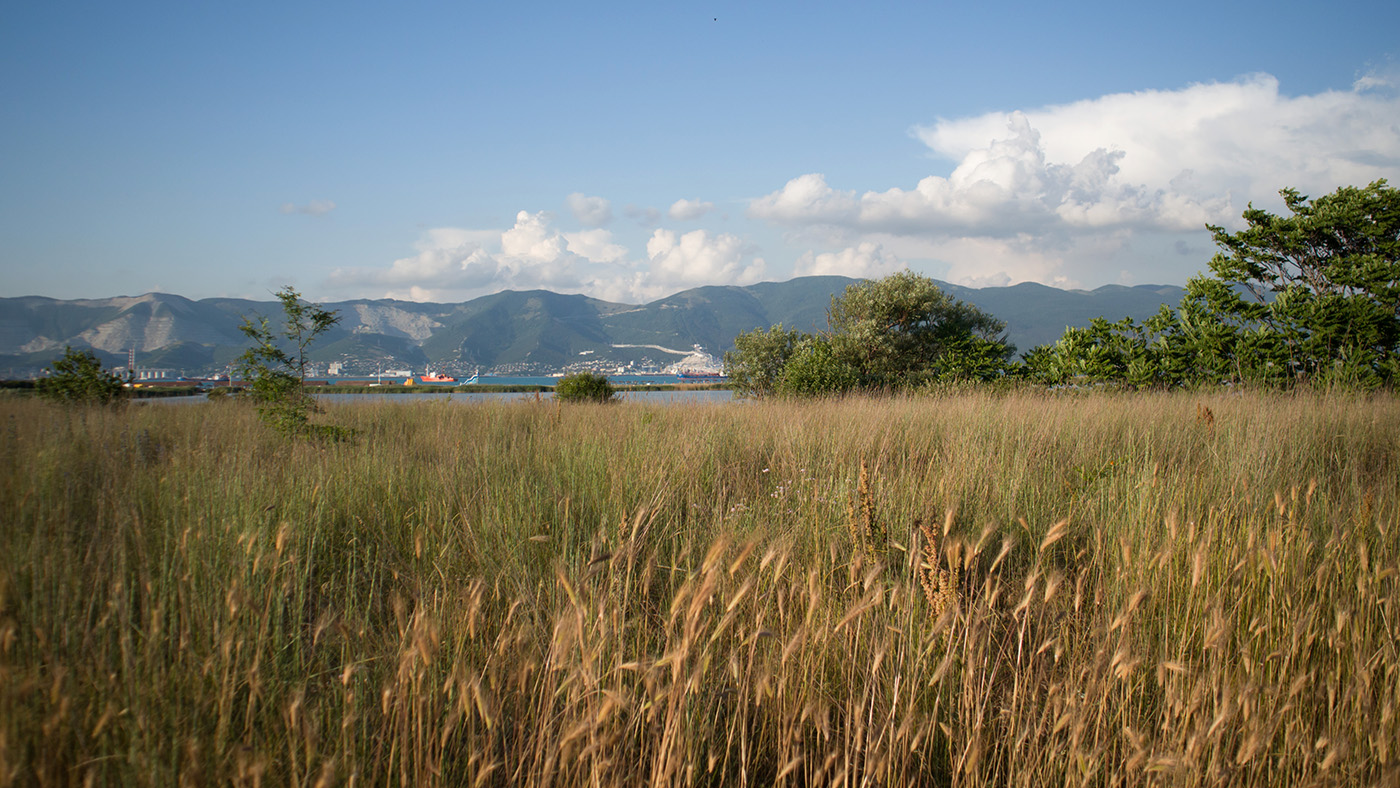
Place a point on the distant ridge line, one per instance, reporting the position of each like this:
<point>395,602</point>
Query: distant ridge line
<point>509,330</point>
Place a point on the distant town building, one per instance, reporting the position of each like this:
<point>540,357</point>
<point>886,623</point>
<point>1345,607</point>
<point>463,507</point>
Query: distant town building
<point>151,373</point>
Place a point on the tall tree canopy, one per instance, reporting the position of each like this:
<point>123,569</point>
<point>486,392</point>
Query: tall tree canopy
<point>903,328</point>
<point>894,332</point>
<point>1319,290</point>
<point>755,365</point>
<point>1309,297</point>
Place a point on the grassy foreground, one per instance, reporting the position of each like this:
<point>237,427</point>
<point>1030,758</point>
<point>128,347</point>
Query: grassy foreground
<point>1023,589</point>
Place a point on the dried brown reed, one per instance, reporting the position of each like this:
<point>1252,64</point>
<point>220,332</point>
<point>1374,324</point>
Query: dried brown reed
<point>513,595</point>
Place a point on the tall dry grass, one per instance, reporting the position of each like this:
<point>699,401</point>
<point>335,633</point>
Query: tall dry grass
<point>1020,589</point>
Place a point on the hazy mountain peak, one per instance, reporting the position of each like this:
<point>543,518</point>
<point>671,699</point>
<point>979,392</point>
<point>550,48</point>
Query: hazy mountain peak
<point>535,329</point>
<point>392,321</point>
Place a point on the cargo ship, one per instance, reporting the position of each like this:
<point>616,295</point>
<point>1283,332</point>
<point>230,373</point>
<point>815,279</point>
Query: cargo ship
<point>692,375</point>
<point>435,377</point>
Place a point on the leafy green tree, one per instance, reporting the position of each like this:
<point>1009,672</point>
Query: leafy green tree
<point>756,365</point>
<point>974,359</point>
<point>1169,358</point>
<point>585,387</point>
<point>1041,364</point>
<point>895,332</point>
<point>275,366</point>
<point>814,370</point>
<point>78,378</point>
<point>1097,353</point>
<point>1314,295</point>
<point>903,329</point>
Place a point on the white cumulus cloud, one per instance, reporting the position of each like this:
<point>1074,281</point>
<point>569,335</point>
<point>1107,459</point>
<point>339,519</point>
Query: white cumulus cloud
<point>1006,187</point>
<point>806,199</point>
<point>1196,154</point>
<point>532,239</point>
<point>699,258</point>
<point>595,245</point>
<point>453,264</point>
<point>867,260</point>
<point>1084,191</point>
<point>689,210</point>
<point>447,260</point>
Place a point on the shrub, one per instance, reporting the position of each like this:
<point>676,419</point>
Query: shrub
<point>902,330</point>
<point>585,387</point>
<point>813,370</point>
<point>78,378</point>
<point>756,364</point>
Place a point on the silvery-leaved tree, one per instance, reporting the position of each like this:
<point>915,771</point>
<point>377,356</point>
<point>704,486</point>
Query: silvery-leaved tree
<point>903,330</point>
<point>755,366</point>
<point>275,366</point>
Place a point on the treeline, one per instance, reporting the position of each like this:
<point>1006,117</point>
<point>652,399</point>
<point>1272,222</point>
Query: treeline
<point>1308,298</point>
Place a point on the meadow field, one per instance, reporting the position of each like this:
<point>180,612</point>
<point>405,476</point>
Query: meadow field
<point>1003,589</point>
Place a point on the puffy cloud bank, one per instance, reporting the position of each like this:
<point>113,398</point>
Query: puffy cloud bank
<point>453,264</point>
<point>1060,194</point>
<point>699,258</point>
<point>689,210</point>
<point>866,260</point>
<point>1111,189</point>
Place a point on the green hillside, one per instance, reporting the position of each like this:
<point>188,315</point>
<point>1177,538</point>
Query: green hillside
<point>534,329</point>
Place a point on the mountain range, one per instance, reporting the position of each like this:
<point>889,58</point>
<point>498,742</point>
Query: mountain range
<point>522,332</point>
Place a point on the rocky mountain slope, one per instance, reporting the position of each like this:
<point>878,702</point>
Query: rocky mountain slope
<point>525,331</point>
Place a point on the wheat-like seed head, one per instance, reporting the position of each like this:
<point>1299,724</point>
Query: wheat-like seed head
<point>940,584</point>
<point>1205,417</point>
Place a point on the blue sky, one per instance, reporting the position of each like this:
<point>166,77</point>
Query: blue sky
<point>631,150</point>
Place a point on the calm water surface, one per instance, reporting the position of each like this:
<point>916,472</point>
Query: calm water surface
<point>661,397</point>
<point>665,397</point>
